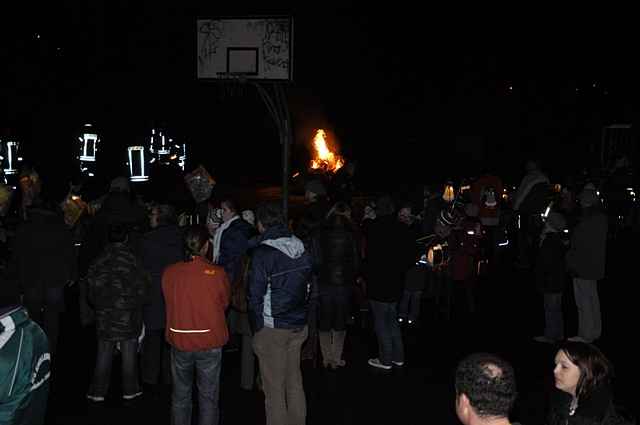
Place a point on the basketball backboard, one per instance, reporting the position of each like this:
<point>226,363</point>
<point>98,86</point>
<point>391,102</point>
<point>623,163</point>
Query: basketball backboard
<point>259,48</point>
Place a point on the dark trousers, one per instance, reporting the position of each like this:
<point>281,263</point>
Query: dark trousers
<point>102,373</point>
<point>390,346</point>
<point>155,358</point>
<point>44,307</point>
<point>409,307</point>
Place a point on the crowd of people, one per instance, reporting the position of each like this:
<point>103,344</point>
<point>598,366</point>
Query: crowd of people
<point>174,298</point>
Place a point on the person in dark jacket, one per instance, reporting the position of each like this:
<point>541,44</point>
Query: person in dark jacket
<point>551,277</point>
<point>340,260</point>
<point>117,207</point>
<point>231,239</point>
<point>586,262</point>
<point>44,260</point>
<point>161,247</point>
<point>582,393</point>
<point>415,278</point>
<point>279,281</point>
<point>529,201</point>
<point>388,242</point>
<point>118,287</point>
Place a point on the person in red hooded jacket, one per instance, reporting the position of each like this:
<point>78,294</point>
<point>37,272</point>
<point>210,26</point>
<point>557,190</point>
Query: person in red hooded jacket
<point>196,294</point>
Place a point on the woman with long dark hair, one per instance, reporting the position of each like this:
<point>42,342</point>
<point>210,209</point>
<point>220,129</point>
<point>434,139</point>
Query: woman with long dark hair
<point>583,375</point>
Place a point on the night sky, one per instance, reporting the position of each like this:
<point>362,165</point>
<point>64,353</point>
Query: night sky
<point>425,93</point>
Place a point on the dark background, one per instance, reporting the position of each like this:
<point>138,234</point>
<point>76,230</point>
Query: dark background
<point>414,95</point>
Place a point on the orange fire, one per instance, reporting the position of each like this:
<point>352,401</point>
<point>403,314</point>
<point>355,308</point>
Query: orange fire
<point>325,159</point>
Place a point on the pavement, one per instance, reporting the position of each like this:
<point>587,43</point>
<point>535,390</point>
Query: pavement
<point>509,314</point>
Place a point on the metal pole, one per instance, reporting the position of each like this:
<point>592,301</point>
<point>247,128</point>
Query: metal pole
<point>285,172</point>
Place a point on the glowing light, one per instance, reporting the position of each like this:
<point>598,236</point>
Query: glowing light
<point>506,243</point>
<point>137,164</point>
<point>325,159</point>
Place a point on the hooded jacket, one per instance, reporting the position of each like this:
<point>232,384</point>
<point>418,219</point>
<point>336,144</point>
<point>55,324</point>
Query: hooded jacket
<point>24,369</point>
<point>279,280</point>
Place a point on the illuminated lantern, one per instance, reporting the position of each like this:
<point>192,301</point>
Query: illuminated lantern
<point>138,166</point>
<point>449,193</point>
<point>437,255</point>
<point>182,155</point>
<point>159,145</point>
<point>88,149</point>
<point>10,157</point>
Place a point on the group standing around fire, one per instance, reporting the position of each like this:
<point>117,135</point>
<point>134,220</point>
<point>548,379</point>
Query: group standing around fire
<point>170,298</point>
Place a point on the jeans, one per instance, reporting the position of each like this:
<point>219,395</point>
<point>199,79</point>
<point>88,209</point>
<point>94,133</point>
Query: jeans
<point>390,345</point>
<point>102,373</point>
<point>553,320</point>
<point>207,365</point>
<point>155,358</point>
<point>409,307</point>
<point>278,351</point>
<point>588,304</point>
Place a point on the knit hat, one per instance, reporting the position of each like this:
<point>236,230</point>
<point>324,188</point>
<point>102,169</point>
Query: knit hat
<point>589,195</point>
<point>556,221</point>
<point>119,184</point>
<point>315,186</point>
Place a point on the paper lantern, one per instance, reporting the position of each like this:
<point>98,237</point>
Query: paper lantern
<point>449,193</point>
<point>138,167</point>
<point>10,157</point>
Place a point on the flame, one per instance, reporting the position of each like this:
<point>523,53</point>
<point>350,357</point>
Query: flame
<point>325,159</point>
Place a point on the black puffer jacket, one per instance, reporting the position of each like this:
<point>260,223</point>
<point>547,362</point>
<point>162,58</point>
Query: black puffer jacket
<point>339,255</point>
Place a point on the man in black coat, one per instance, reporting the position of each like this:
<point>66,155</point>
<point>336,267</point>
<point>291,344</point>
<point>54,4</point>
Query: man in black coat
<point>388,244</point>
<point>44,262</point>
<point>161,247</point>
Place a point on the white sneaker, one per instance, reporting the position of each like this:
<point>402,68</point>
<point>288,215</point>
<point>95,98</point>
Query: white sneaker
<point>95,398</point>
<point>376,363</point>
<point>399,364</point>
<point>131,396</point>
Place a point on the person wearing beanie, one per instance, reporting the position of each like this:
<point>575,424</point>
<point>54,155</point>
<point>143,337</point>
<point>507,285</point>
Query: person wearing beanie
<point>119,184</point>
<point>550,277</point>
<point>586,262</point>
<point>25,357</point>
